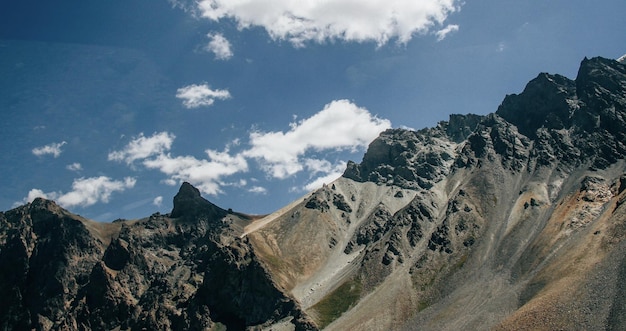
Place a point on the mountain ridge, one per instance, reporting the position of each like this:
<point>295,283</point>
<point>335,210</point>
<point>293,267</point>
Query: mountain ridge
<point>511,220</point>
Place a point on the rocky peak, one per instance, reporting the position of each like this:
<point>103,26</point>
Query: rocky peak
<point>547,101</point>
<point>413,159</point>
<point>408,159</point>
<point>189,204</point>
<point>600,84</point>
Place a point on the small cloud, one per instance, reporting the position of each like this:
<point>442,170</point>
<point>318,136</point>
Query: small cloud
<point>443,33</point>
<point>219,46</point>
<point>74,167</point>
<point>53,149</point>
<point>34,194</point>
<point>143,147</point>
<point>85,191</point>
<point>257,190</point>
<point>158,201</point>
<point>501,47</point>
<point>195,96</point>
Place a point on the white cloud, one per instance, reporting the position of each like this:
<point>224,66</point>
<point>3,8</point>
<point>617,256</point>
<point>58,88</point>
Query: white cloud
<point>331,173</point>
<point>441,34</point>
<point>85,191</point>
<point>34,194</point>
<point>219,46</point>
<point>74,167</point>
<point>195,96</point>
<point>205,174</point>
<point>320,21</point>
<point>257,190</point>
<point>340,125</point>
<point>88,191</point>
<point>158,201</point>
<point>53,149</point>
<point>144,147</point>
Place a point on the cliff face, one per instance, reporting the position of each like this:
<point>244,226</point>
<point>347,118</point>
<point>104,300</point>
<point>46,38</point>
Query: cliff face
<point>513,220</point>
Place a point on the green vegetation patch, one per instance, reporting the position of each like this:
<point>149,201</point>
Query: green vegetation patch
<point>338,302</point>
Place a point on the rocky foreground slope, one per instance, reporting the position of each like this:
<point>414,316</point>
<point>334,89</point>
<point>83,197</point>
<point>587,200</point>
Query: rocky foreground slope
<point>511,221</point>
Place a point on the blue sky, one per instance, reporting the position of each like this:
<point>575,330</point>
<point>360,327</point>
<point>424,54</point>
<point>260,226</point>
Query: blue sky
<point>107,106</point>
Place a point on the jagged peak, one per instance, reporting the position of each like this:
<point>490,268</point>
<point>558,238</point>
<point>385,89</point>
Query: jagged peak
<point>606,73</point>
<point>547,101</point>
<point>189,203</point>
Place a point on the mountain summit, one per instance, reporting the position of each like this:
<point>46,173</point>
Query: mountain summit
<point>510,221</point>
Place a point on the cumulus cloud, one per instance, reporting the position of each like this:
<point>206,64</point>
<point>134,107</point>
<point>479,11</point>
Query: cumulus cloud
<point>158,201</point>
<point>53,149</point>
<point>205,174</point>
<point>219,46</point>
<point>143,147</point>
<point>441,34</point>
<point>74,167</point>
<point>320,21</point>
<point>195,96</point>
<point>85,191</point>
<point>340,125</point>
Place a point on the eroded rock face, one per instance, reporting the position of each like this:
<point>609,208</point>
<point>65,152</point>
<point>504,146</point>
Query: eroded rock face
<point>413,159</point>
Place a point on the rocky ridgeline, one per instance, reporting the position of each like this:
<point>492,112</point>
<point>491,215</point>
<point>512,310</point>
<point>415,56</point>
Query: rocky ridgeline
<point>513,220</point>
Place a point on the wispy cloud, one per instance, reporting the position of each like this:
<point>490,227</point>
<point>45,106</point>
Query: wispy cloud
<point>257,190</point>
<point>74,167</point>
<point>501,47</point>
<point>158,201</point>
<point>85,191</point>
<point>220,46</point>
<point>202,95</point>
<point>320,21</point>
<point>443,33</point>
<point>53,149</point>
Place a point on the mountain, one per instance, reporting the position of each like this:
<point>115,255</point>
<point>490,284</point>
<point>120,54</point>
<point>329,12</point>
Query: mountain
<point>511,221</point>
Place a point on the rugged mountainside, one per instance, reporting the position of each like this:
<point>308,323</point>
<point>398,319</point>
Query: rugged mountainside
<point>187,271</point>
<point>510,221</point>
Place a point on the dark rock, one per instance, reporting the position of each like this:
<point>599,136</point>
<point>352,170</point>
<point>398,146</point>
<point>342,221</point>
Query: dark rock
<point>341,204</point>
<point>189,204</point>
<point>547,101</point>
<point>318,203</point>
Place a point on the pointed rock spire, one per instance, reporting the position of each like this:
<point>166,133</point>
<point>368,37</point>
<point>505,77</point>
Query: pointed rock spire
<point>189,203</point>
